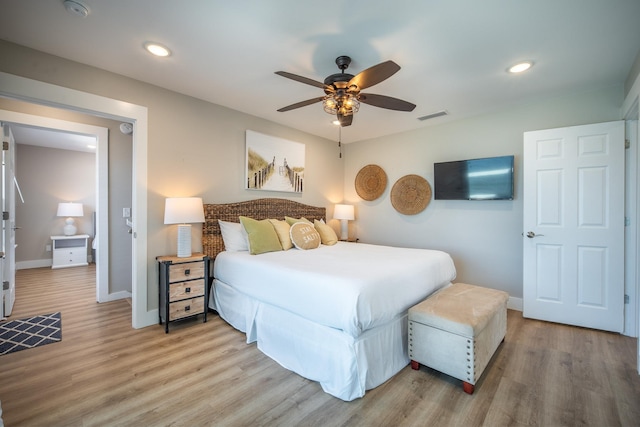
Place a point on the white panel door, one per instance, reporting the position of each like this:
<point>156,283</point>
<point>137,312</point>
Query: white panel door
<point>8,225</point>
<point>2,255</point>
<point>573,244</point>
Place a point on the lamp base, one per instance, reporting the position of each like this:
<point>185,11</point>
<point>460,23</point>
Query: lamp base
<point>184,240</point>
<point>69,229</point>
<point>344,229</point>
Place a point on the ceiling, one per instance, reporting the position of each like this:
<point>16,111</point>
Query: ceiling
<point>454,54</point>
<point>40,137</point>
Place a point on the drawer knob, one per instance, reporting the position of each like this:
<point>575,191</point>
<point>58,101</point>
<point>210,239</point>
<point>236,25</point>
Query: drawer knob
<point>187,272</point>
<point>187,290</point>
<point>187,308</point>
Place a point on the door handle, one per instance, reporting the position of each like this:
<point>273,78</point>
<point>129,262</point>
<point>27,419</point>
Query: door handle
<point>531,234</point>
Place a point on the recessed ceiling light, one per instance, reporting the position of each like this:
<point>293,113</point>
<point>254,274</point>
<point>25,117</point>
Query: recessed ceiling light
<point>520,67</point>
<point>157,49</point>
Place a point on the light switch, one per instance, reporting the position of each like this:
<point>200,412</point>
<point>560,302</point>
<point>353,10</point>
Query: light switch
<point>126,212</point>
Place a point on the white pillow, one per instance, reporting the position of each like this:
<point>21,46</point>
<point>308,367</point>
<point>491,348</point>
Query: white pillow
<point>233,236</point>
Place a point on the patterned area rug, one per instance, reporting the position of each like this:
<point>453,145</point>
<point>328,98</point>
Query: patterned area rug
<point>21,334</point>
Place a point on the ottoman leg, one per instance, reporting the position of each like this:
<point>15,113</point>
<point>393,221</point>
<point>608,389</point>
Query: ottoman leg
<point>415,365</point>
<point>468,388</point>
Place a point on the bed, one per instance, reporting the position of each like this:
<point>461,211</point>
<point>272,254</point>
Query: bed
<point>336,314</point>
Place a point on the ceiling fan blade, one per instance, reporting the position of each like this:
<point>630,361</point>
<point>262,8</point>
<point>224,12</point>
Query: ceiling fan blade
<point>301,79</point>
<point>374,75</point>
<point>301,104</point>
<point>345,120</point>
<point>386,102</point>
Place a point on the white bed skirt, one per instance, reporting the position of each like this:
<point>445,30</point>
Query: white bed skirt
<point>344,366</point>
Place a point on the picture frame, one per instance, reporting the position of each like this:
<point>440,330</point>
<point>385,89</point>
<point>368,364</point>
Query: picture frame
<point>273,163</point>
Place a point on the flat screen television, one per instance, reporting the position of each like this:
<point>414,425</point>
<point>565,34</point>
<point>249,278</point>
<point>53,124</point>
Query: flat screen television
<point>476,179</point>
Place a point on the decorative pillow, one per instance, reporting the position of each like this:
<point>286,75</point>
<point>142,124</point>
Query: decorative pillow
<point>304,236</point>
<point>233,236</point>
<point>282,230</point>
<point>327,235</point>
<point>262,236</point>
<point>292,221</point>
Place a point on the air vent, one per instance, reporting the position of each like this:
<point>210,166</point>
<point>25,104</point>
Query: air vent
<point>434,115</point>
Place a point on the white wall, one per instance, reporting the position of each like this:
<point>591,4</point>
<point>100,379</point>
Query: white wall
<point>483,237</point>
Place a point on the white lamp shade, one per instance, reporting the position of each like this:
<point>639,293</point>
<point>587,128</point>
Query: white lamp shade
<point>70,209</point>
<point>344,212</point>
<point>183,210</point>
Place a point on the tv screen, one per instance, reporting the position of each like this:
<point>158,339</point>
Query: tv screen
<point>477,179</point>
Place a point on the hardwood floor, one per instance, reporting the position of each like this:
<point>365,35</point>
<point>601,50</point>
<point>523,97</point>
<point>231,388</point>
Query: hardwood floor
<point>105,373</point>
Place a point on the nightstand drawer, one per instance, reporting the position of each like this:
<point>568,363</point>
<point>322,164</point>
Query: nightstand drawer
<point>187,307</point>
<point>182,290</point>
<point>186,271</point>
<point>69,256</point>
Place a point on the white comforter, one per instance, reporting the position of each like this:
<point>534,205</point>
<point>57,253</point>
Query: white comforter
<point>349,286</point>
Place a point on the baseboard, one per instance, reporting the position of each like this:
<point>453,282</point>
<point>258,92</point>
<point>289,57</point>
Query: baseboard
<point>515,304</point>
<point>39,263</point>
<point>118,295</point>
<point>144,319</point>
<point>36,263</point>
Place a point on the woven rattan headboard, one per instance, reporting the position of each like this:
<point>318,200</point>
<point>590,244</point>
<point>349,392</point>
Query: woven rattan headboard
<point>258,209</point>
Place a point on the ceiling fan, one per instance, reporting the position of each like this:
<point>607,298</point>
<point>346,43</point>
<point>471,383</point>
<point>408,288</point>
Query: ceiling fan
<point>342,90</point>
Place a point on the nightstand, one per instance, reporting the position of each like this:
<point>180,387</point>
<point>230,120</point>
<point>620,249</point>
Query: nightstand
<point>69,251</point>
<point>183,287</point>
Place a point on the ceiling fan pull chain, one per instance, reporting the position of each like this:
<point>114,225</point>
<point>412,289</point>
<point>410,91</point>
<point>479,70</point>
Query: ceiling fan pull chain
<point>340,141</point>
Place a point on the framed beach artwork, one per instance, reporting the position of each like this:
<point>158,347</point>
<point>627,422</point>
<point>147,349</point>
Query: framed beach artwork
<point>273,164</point>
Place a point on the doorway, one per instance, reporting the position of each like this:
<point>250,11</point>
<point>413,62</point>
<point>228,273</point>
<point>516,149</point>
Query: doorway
<point>15,87</point>
<point>13,119</point>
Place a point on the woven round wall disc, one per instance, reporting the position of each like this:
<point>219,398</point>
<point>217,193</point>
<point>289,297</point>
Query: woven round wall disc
<point>410,194</point>
<point>371,182</point>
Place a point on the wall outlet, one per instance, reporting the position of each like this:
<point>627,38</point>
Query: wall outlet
<point>47,248</point>
<point>126,212</point>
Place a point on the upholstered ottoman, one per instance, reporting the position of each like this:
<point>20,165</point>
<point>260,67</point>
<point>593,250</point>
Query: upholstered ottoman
<point>456,331</point>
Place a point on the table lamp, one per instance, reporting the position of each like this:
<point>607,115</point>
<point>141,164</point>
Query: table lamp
<point>69,210</point>
<point>183,211</point>
<point>344,213</point>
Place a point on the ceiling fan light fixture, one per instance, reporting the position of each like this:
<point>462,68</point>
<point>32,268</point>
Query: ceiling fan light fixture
<point>330,106</point>
<point>520,67</point>
<point>352,104</point>
<point>343,104</point>
<point>342,91</point>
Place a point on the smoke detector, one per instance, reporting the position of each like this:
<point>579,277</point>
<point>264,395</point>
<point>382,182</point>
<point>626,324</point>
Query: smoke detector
<point>76,8</point>
<point>126,128</point>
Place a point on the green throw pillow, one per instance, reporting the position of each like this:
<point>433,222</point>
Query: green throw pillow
<point>262,236</point>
